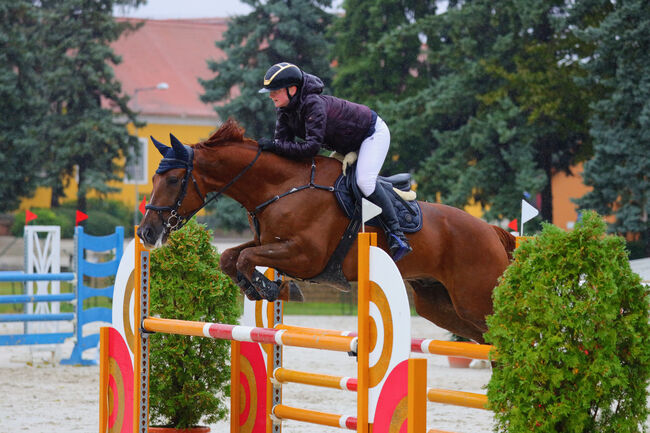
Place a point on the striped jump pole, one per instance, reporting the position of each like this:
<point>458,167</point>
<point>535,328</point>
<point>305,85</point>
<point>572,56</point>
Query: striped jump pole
<point>315,417</point>
<point>418,345</point>
<point>445,396</point>
<point>278,337</point>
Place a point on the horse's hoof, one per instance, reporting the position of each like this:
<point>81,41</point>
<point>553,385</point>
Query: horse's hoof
<point>266,288</point>
<point>289,291</point>
<point>247,288</point>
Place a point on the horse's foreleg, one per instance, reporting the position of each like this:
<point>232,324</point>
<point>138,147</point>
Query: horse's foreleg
<point>270,255</point>
<point>228,263</point>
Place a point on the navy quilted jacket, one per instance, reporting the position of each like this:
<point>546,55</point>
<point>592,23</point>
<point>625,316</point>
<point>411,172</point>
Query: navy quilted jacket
<point>321,121</point>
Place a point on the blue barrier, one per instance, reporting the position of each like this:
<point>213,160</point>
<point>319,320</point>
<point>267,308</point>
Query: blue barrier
<point>98,270</point>
<point>19,276</point>
<point>83,242</point>
<point>36,317</point>
<point>22,299</point>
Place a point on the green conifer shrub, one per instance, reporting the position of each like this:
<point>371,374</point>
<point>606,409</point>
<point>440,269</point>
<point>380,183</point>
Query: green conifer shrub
<point>190,376</point>
<point>571,329</point>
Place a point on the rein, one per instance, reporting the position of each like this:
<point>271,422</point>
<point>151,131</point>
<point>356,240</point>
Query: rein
<point>311,185</point>
<point>177,221</point>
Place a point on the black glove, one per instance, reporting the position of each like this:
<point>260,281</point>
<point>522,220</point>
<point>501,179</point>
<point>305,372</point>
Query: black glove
<point>266,143</point>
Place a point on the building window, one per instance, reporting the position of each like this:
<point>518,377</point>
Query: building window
<point>135,170</point>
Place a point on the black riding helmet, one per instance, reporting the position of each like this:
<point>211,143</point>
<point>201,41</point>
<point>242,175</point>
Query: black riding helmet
<point>281,76</point>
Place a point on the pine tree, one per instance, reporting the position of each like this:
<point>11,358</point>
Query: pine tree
<point>84,135</point>
<point>501,111</point>
<point>60,119</point>
<point>21,103</point>
<point>275,31</point>
<point>620,125</point>
<point>376,51</point>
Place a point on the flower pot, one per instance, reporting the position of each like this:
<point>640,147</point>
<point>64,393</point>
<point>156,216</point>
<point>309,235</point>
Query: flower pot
<point>195,429</point>
<point>458,362</point>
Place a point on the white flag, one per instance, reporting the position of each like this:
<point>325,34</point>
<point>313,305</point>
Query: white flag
<point>528,212</point>
<point>369,210</point>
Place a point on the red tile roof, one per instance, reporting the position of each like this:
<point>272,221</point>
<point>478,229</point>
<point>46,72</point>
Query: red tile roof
<point>174,52</point>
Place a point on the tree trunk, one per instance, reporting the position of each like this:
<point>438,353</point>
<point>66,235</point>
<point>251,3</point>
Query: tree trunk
<point>547,202</point>
<point>81,191</point>
<point>547,192</point>
<point>57,193</point>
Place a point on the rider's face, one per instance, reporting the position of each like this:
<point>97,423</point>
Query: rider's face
<point>280,97</point>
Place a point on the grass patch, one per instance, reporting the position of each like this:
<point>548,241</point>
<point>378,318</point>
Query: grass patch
<point>319,309</point>
<point>322,309</point>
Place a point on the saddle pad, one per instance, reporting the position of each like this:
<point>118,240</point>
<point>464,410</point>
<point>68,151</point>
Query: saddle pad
<point>348,196</point>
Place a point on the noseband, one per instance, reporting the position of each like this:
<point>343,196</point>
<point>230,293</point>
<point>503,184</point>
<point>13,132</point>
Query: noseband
<point>176,221</point>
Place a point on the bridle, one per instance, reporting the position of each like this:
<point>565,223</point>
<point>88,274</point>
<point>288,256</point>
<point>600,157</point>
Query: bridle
<point>176,221</point>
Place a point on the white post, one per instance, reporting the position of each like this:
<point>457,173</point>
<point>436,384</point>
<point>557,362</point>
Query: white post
<point>42,256</point>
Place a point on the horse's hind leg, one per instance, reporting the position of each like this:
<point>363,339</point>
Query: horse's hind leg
<point>434,304</point>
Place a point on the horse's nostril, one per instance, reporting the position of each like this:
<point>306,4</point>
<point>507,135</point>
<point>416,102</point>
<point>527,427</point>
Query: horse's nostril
<point>146,234</point>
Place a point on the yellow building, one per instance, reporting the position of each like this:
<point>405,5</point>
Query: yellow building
<point>161,65</point>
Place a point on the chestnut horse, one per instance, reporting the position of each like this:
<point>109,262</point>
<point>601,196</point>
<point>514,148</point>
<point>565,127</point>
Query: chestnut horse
<point>456,259</point>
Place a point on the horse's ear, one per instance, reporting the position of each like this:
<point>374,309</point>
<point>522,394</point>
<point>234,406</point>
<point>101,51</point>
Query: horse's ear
<point>179,148</point>
<point>161,147</point>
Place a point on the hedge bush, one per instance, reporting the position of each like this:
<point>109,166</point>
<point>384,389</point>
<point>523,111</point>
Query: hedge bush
<point>571,329</point>
<point>103,217</point>
<point>190,375</point>
<point>46,217</point>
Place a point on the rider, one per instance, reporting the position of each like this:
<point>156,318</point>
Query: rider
<point>325,121</point>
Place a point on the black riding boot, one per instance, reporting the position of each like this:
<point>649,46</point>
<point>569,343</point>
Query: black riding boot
<point>398,245</point>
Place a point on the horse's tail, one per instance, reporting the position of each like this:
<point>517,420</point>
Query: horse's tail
<point>508,240</point>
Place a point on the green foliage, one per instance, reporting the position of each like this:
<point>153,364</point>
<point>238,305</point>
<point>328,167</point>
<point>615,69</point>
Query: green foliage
<point>46,217</point>
<point>275,31</point>
<point>481,98</point>
<point>85,136</point>
<point>190,375</point>
<point>621,120</point>
<point>503,104</point>
<point>571,328</point>
<point>376,49</point>
<point>21,102</point>
<point>226,214</point>
<point>103,217</point>
<point>66,113</point>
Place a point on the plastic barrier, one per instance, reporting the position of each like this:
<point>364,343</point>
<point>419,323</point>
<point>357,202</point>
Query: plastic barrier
<point>43,306</point>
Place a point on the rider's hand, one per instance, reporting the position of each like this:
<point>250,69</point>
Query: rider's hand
<point>266,143</point>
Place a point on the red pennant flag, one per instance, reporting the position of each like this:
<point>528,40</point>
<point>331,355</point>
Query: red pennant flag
<point>29,216</point>
<point>513,224</point>
<point>80,216</point>
<point>143,203</point>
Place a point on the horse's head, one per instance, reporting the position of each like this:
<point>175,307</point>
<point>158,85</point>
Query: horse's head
<point>173,200</point>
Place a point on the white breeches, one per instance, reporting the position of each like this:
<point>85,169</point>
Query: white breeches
<point>372,154</point>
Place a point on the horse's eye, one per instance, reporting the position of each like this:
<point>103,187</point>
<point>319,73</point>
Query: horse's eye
<point>172,180</point>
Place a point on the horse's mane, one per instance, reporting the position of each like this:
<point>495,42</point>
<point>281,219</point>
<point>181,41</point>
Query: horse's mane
<point>232,133</point>
<point>229,131</point>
